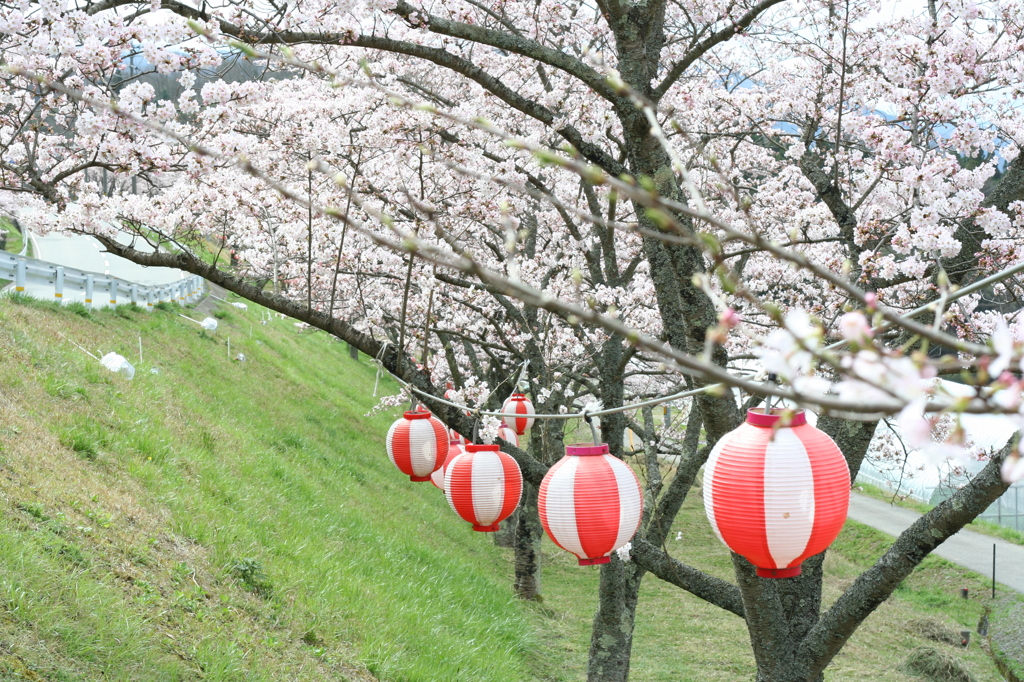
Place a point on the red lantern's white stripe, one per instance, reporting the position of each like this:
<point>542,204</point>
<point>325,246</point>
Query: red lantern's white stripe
<point>417,444</point>
<point>518,404</point>
<point>590,503</point>
<point>483,486</point>
<point>455,448</point>
<point>508,435</point>
<point>776,495</point>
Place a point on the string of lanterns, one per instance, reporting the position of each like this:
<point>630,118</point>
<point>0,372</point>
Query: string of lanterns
<point>776,489</point>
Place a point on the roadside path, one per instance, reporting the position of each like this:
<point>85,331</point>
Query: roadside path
<point>967,548</point>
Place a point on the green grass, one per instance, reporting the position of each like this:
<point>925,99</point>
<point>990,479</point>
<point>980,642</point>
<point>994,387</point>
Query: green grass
<point>15,240</point>
<point>224,520</point>
<point>227,520</point>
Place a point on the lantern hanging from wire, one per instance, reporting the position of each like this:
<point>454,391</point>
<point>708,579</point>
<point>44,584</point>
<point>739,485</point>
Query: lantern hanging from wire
<point>455,448</point>
<point>518,404</point>
<point>483,486</point>
<point>417,444</point>
<point>590,503</point>
<point>508,435</point>
<point>776,491</point>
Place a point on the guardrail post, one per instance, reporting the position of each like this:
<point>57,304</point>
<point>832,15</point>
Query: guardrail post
<point>19,275</point>
<point>58,285</point>
<point>180,289</point>
<point>113,293</point>
<point>149,299</point>
<point>88,290</point>
<point>134,293</point>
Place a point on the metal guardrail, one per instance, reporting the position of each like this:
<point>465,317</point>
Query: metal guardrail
<point>100,290</point>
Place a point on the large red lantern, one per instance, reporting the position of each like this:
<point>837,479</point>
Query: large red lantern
<point>483,486</point>
<point>417,444</point>
<point>455,448</point>
<point>590,503</point>
<point>518,404</point>
<point>776,494</point>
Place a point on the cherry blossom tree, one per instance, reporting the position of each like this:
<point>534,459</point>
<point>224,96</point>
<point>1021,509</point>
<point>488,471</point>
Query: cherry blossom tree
<point>617,200</point>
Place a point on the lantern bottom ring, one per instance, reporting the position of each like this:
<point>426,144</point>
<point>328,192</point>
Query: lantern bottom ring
<point>486,529</point>
<point>791,572</point>
<point>595,562</point>
<point>419,479</point>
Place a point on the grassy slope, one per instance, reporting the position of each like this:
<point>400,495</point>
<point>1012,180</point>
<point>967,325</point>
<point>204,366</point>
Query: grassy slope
<point>226,521</point>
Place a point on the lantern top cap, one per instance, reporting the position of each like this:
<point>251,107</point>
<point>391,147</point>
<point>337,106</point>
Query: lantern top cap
<point>757,417</point>
<point>473,447</point>
<point>517,396</point>
<point>586,449</point>
<point>454,441</point>
<point>418,414</point>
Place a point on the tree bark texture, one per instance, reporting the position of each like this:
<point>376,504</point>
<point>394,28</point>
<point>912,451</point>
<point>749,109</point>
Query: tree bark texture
<point>611,639</point>
<point>506,535</point>
<point>527,539</point>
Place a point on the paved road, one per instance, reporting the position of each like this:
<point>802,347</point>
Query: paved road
<point>967,548</point>
<point>85,253</point>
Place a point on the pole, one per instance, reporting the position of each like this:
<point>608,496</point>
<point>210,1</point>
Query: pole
<point>19,275</point>
<point>993,570</point>
<point>229,348</point>
<point>140,350</point>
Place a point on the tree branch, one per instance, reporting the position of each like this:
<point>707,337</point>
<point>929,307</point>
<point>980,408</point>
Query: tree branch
<point>712,590</point>
<point>387,353</point>
<point>702,48</point>
<point>875,585</point>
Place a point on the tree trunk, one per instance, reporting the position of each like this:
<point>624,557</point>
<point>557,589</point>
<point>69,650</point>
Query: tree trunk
<point>506,535</point>
<point>528,535</point>
<point>611,639</point>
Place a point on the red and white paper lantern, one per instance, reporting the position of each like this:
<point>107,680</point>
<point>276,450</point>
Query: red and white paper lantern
<point>590,503</point>
<point>776,495</point>
<point>455,448</point>
<point>518,404</point>
<point>456,437</point>
<point>483,486</point>
<point>508,435</point>
<point>417,444</point>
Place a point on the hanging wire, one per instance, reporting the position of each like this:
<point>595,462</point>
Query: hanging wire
<point>380,366</point>
<point>568,415</point>
<point>593,429</point>
<point>772,379</point>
